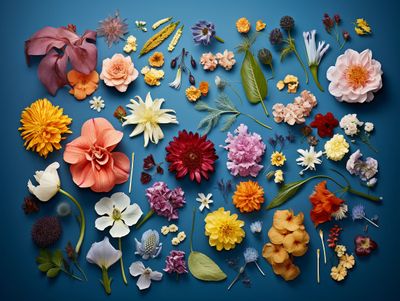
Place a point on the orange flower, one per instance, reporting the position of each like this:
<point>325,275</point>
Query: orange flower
<point>156,60</point>
<point>243,25</point>
<point>324,204</point>
<point>248,196</point>
<point>287,270</point>
<point>286,220</point>
<point>296,242</point>
<point>275,253</point>
<point>82,84</point>
<point>203,87</point>
<point>260,25</point>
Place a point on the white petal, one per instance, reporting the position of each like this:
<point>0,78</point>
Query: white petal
<point>103,254</point>
<point>120,200</point>
<point>157,276</point>
<point>131,215</point>
<point>103,222</point>
<point>137,268</point>
<point>119,229</point>
<point>143,281</point>
<point>104,206</point>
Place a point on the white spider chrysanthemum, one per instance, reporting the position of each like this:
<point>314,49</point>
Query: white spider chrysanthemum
<point>308,158</point>
<point>97,103</point>
<point>204,201</point>
<point>147,116</point>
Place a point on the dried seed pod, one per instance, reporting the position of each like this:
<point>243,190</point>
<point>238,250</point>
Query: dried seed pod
<point>193,62</point>
<point>192,80</point>
<point>173,63</point>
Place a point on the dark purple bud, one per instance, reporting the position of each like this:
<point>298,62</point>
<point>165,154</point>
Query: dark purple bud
<point>346,35</point>
<point>173,63</point>
<point>337,18</point>
<point>192,81</point>
<point>193,62</point>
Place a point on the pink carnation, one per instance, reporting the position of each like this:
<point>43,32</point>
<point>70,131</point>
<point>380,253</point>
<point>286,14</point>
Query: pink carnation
<point>245,151</point>
<point>226,59</point>
<point>209,61</point>
<point>175,262</point>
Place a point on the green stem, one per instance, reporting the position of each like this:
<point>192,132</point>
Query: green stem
<point>219,39</point>
<point>293,47</point>
<point>106,280</point>
<point>236,92</point>
<point>192,231</point>
<point>241,270</point>
<point>144,219</point>
<point>365,140</point>
<point>82,217</point>
<point>272,70</point>
<point>256,120</point>
<point>264,108</point>
<point>122,262</point>
<point>364,195</point>
<point>314,72</point>
<point>70,274</point>
<point>80,269</point>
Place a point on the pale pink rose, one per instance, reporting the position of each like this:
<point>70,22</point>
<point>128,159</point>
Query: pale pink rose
<point>118,72</point>
<point>226,59</point>
<point>355,77</point>
<point>209,61</point>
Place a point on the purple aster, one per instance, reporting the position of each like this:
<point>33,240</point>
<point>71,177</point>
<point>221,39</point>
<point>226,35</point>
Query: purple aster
<point>175,262</point>
<point>358,212</point>
<point>202,32</point>
<point>113,29</point>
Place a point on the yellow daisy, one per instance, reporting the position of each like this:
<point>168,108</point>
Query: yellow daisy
<point>278,159</point>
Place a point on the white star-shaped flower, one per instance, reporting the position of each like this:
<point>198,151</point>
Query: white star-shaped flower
<point>308,158</point>
<point>97,103</point>
<point>204,201</point>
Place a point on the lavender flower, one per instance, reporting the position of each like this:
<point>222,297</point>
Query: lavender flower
<point>358,212</point>
<point>149,246</point>
<point>203,31</point>
<point>256,227</point>
<point>175,263</point>
<point>113,29</point>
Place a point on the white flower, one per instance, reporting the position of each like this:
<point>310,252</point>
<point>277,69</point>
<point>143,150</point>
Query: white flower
<point>372,182</point>
<point>164,230</point>
<point>308,158</point>
<point>97,103</point>
<point>49,183</point>
<point>147,116</point>
<point>256,227</point>
<point>220,83</point>
<point>368,127</point>
<point>314,54</point>
<point>173,228</point>
<point>146,275</point>
<point>181,236</point>
<point>350,123</point>
<point>341,213</point>
<point>204,201</point>
<point>175,241</point>
<point>117,213</point>
<point>176,84</point>
<point>278,176</point>
<point>103,254</point>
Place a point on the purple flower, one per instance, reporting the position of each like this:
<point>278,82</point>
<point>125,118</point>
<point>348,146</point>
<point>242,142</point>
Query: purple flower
<point>366,170</point>
<point>175,262</point>
<point>202,32</point>
<point>165,202</point>
<point>245,151</point>
<point>358,212</point>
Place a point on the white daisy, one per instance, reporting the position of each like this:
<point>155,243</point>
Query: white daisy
<point>97,103</point>
<point>341,213</point>
<point>204,201</point>
<point>308,159</point>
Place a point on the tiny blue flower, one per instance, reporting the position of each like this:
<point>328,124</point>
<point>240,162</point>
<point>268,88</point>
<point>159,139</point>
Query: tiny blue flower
<point>358,212</point>
<point>149,246</point>
<point>250,255</point>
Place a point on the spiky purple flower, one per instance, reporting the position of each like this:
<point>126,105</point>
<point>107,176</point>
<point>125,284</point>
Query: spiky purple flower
<point>113,29</point>
<point>202,32</point>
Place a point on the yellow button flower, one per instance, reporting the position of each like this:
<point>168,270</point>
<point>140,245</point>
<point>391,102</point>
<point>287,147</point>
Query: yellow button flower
<point>278,176</point>
<point>278,159</point>
<point>260,25</point>
<point>338,273</point>
<point>173,228</point>
<point>193,94</point>
<point>336,148</point>
<point>175,241</point>
<point>164,230</point>
<point>181,236</point>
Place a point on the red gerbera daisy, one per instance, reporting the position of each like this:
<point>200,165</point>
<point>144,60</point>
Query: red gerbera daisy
<point>191,154</point>
<point>325,124</point>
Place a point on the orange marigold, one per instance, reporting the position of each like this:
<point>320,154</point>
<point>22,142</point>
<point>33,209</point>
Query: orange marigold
<point>248,196</point>
<point>203,87</point>
<point>243,25</point>
<point>156,60</point>
<point>82,84</point>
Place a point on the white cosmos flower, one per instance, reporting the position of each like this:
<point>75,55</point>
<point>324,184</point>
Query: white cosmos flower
<point>147,116</point>
<point>103,254</point>
<point>176,84</point>
<point>117,212</point>
<point>314,54</point>
<point>49,183</point>
<point>308,158</point>
<point>204,201</point>
<point>146,274</point>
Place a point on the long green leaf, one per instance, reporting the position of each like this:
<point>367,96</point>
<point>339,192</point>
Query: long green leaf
<point>286,192</point>
<point>253,79</point>
<point>204,268</point>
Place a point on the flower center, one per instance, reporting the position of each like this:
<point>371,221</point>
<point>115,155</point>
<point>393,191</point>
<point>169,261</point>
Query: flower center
<point>226,229</point>
<point>192,159</point>
<point>116,214</point>
<point>98,156</point>
<point>357,76</point>
<point>205,31</point>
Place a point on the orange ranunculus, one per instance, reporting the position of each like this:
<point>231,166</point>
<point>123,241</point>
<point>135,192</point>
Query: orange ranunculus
<point>203,87</point>
<point>248,196</point>
<point>243,25</point>
<point>82,84</point>
<point>324,204</point>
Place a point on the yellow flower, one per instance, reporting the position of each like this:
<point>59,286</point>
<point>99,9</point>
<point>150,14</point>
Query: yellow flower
<point>278,176</point>
<point>181,236</point>
<point>362,27</point>
<point>164,230</point>
<point>175,241</point>
<point>224,229</point>
<point>359,31</point>
<point>43,126</point>
<point>347,261</point>
<point>280,85</point>
<point>193,94</point>
<point>173,228</point>
<point>130,44</point>
<point>338,273</point>
<point>278,159</point>
<point>336,148</point>
<point>260,25</point>
<point>152,76</point>
<point>340,250</point>
<point>157,59</point>
<point>243,25</point>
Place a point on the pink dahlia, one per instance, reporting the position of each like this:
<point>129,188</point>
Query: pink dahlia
<point>355,77</point>
<point>245,151</point>
<point>175,262</point>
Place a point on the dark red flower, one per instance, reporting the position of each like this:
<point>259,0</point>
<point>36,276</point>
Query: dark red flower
<point>148,162</point>
<point>120,113</point>
<point>192,154</point>
<point>70,250</point>
<point>337,18</point>
<point>325,124</point>
<point>160,170</point>
<point>364,245</point>
<point>334,235</point>
<point>328,22</point>
<point>145,178</point>
<point>30,204</point>
<point>346,35</point>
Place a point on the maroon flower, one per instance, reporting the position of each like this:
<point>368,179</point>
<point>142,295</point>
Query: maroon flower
<point>160,170</point>
<point>175,262</point>
<point>337,18</point>
<point>325,124</point>
<point>30,204</point>
<point>192,154</point>
<point>120,113</point>
<point>328,23</point>
<point>145,178</point>
<point>346,35</point>
<point>148,162</point>
<point>364,245</point>
<point>70,250</point>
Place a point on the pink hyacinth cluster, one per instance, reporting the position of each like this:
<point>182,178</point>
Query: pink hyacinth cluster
<point>245,151</point>
<point>175,262</point>
<point>297,111</point>
<point>164,201</point>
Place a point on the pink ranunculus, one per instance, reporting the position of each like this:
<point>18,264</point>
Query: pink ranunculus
<point>355,77</point>
<point>118,72</point>
<point>93,162</point>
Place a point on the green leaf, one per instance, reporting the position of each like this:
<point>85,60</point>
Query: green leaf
<point>285,51</point>
<point>44,256</point>
<point>44,267</point>
<point>228,122</point>
<point>202,106</point>
<point>253,79</point>
<point>286,192</point>
<point>53,272</point>
<point>223,103</point>
<point>57,258</point>
<point>204,268</point>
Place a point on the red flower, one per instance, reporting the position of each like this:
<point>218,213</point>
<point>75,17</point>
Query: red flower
<point>148,162</point>
<point>191,154</point>
<point>328,22</point>
<point>145,178</point>
<point>324,204</point>
<point>325,124</point>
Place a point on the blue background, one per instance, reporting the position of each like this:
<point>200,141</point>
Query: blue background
<point>373,277</point>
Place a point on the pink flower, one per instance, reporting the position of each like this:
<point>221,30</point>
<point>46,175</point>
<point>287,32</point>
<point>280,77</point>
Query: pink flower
<point>245,151</point>
<point>307,101</point>
<point>93,162</point>
<point>226,59</point>
<point>118,72</point>
<point>209,61</point>
<point>355,77</point>
<point>175,262</point>
<point>278,112</point>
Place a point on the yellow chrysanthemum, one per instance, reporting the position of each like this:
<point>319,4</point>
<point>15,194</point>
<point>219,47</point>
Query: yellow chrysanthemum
<point>278,159</point>
<point>336,147</point>
<point>224,230</point>
<point>43,126</point>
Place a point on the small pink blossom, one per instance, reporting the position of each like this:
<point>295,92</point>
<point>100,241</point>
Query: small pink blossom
<point>226,59</point>
<point>209,61</point>
<point>175,262</point>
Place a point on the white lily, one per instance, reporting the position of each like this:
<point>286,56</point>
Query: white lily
<point>176,84</point>
<point>308,159</point>
<point>146,275</point>
<point>49,183</point>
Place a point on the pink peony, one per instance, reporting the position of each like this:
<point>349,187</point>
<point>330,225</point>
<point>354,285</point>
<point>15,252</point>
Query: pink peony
<point>118,72</point>
<point>245,152</point>
<point>175,262</point>
<point>93,162</point>
<point>355,77</point>
<point>209,61</point>
<point>226,59</point>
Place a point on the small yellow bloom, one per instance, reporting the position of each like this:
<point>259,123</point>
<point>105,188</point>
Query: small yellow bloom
<point>278,159</point>
<point>347,261</point>
<point>175,241</point>
<point>362,27</point>
<point>278,176</point>
<point>193,94</point>
<point>181,236</point>
<point>243,25</point>
<point>260,25</point>
<point>280,85</point>
<point>338,273</point>
<point>173,228</point>
<point>336,147</point>
<point>157,59</point>
<point>340,250</point>
<point>164,230</point>
<point>130,44</point>
<point>359,31</point>
<point>152,76</point>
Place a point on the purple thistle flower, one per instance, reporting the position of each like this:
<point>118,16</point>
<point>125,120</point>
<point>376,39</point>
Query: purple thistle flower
<point>113,29</point>
<point>175,262</point>
<point>202,32</point>
<point>358,212</point>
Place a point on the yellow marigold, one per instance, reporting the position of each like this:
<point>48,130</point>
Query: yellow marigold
<point>278,159</point>
<point>203,87</point>
<point>224,229</point>
<point>193,94</point>
<point>43,126</point>
<point>243,25</point>
<point>248,196</point>
<point>362,27</point>
<point>260,25</point>
<point>336,147</point>
<point>156,60</point>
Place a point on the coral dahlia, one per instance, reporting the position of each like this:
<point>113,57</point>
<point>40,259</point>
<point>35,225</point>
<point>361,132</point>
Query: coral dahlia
<point>248,196</point>
<point>192,154</point>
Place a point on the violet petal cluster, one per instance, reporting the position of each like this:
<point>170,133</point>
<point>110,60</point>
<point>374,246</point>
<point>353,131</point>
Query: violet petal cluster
<point>164,201</point>
<point>245,151</point>
<point>175,262</point>
<point>365,169</point>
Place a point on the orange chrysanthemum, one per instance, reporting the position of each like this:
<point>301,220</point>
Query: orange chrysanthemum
<point>243,25</point>
<point>324,204</point>
<point>248,196</point>
<point>82,84</point>
<point>43,126</point>
<point>203,87</point>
